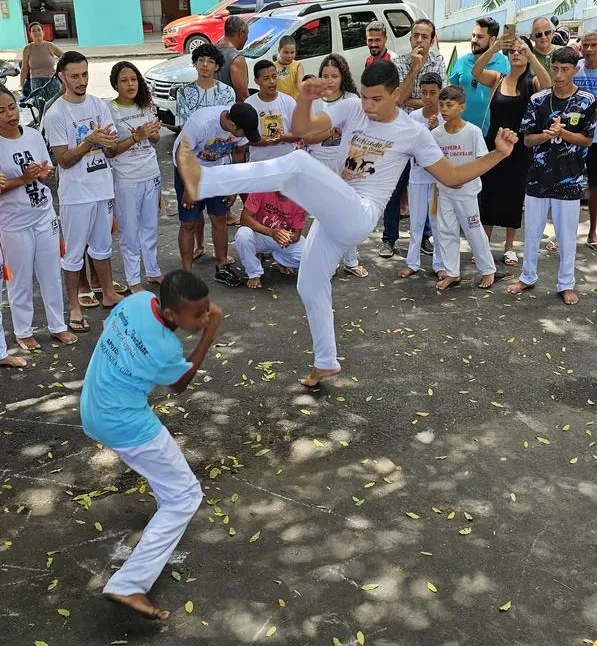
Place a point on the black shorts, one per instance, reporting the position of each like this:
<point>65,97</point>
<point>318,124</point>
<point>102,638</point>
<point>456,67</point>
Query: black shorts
<point>592,166</point>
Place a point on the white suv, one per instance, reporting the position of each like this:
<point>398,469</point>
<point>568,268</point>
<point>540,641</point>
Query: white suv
<point>319,29</point>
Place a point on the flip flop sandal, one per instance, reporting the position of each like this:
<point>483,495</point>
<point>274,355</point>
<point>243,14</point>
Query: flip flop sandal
<point>24,347</point>
<point>359,271</point>
<point>452,284</point>
<point>90,302</point>
<point>591,245</point>
<point>82,323</point>
<point>118,288</point>
<point>55,336</point>
<point>552,245</point>
<point>510,258</point>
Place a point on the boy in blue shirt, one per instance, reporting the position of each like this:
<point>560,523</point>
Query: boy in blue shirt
<point>137,351</point>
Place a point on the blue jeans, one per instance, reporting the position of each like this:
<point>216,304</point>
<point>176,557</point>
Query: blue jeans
<point>391,216</point>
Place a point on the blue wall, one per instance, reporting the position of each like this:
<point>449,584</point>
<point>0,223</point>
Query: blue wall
<point>199,6</point>
<point>12,30</point>
<point>109,22</point>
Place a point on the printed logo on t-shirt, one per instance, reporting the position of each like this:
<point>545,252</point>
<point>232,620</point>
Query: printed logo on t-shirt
<point>36,191</point>
<point>363,153</point>
<point>55,226</point>
<point>95,158</point>
<point>216,148</point>
<point>283,72</point>
<point>334,139</point>
<point>455,150</point>
<point>272,124</point>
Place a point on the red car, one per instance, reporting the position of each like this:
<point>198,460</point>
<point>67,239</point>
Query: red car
<point>184,34</point>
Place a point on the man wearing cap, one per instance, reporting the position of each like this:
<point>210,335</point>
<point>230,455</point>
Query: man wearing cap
<point>217,135</point>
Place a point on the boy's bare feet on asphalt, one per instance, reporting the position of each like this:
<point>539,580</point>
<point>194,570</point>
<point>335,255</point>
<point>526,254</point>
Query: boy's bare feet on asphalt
<point>13,362</point>
<point>316,375</point>
<point>141,604</point>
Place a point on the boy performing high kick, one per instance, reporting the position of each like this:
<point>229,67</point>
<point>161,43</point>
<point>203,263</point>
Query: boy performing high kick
<point>380,140</point>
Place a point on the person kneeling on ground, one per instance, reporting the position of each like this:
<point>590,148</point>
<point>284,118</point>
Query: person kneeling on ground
<point>272,223</point>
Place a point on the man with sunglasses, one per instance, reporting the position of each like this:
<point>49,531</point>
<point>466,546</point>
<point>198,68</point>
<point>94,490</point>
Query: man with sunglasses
<point>541,35</point>
<point>485,33</point>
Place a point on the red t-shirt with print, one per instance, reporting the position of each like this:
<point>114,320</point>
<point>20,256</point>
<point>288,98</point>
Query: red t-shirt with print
<point>275,211</point>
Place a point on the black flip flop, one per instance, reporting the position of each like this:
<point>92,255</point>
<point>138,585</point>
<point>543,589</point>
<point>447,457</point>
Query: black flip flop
<point>81,322</point>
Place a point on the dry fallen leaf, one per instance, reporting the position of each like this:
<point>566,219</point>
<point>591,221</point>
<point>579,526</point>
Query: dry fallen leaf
<point>370,586</point>
<point>411,514</point>
<point>360,638</point>
<point>63,612</point>
<point>271,632</point>
<point>506,606</point>
<point>431,587</point>
<point>189,607</point>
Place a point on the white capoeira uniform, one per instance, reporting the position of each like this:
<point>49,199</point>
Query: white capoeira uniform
<point>30,236</point>
<point>329,152</point>
<point>346,207</point>
<point>422,197</point>
<point>137,189</point>
<point>3,346</point>
<point>86,189</point>
<point>458,207</point>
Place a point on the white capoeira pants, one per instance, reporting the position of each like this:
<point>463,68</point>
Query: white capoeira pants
<point>136,208</point>
<point>178,495</point>
<point>565,215</point>
<point>344,219</point>
<point>86,226</point>
<point>420,198</point>
<point>249,243</point>
<point>34,250</point>
<point>3,348</point>
<point>453,215</point>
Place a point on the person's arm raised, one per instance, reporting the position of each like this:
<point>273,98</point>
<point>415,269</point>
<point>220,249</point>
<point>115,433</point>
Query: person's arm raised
<point>407,84</point>
<point>303,122</point>
<point>454,176</point>
<point>489,77</point>
<point>542,78</point>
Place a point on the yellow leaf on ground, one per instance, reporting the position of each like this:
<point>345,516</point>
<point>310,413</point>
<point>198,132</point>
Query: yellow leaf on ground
<point>281,603</point>
<point>98,526</point>
<point>431,587</point>
<point>189,607</point>
<point>465,531</point>
<point>370,586</point>
<point>360,638</point>
<point>506,606</point>
<point>63,612</point>
<point>318,444</point>
<point>336,642</point>
<point>271,632</point>
<point>255,537</point>
<point>411,514</point>
<point>423,414</point>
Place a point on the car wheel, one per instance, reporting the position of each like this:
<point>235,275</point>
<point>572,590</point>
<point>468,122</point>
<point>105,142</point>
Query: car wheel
<point>193,42</point>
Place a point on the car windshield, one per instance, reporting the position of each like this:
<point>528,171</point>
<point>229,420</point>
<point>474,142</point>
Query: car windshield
<point>264,31</point>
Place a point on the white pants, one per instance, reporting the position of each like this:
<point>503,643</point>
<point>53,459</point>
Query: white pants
<point>248,243</point>
<point>136,207</point>
<point>565,215</point>
<point>420,198</point>
<point>3,348</point>
<point>453,215</point>
<point>178,496</point>
<point>344,219</point>
<point>34,250</point>
<point>86,225</point>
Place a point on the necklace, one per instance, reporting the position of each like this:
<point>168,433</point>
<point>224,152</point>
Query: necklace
<point>551,110</point>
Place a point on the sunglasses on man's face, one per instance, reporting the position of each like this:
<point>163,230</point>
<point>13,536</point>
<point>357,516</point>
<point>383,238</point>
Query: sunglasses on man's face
<point>540,34</point>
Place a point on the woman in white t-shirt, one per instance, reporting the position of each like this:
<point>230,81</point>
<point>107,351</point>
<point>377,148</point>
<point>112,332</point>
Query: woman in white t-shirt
<point>327,147</point>
<point>29,228</point>
<point>137,182</point>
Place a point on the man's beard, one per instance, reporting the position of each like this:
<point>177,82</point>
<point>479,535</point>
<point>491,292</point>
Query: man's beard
<point>477,51</point>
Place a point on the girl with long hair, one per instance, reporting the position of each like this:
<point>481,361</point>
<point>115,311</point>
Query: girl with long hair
<point>137,181</point>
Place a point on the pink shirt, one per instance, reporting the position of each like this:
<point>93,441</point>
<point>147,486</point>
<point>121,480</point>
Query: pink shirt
<point>276,213</point>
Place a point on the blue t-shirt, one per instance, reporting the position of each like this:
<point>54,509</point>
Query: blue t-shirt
<point>586,79</point>
<point>135,353</point>
<point>477,94</point>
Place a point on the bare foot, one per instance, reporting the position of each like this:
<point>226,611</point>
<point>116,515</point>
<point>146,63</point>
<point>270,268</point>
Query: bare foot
<point>286,271</point>
<point>486,281</point>
<point>28,344</point>
<point>135,289</point>
<point>141,604</point>
<point>66,337</point>
<point>569,297</point>
<point>316,375</point>
<point>446,282</point>
<point>13,362</point>
<point>109,301</point>
<point>189,169</point>
<point>406,273</point>
<point>441,274</point>
<point>198,252</point>
<point>518,287</point>
<point>254,283</point>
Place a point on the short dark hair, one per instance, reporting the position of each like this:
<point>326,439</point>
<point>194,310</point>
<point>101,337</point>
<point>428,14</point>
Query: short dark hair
<point>69,57</point>
<point>431,78</point>
<point>207,50</point>
<point>234,25</point>
<point>492,26</point>
<point>143,98</point>
<point>5,90</point>
<point>426,21</point>
<point>565,56</point>
<point>286,40</point>
<point>179,285</point>
<point>381,73</point>
<point>453,93</point>
<point>262,65</point>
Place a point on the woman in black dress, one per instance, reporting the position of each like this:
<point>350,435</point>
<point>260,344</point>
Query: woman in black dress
<point>502,198</point>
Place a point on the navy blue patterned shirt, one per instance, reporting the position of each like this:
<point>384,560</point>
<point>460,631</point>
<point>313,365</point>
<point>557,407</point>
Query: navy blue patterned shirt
<point>557,166</point>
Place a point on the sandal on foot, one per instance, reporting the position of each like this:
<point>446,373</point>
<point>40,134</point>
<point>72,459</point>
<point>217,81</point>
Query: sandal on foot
<point>591,245</point>
<point>79,326</point>
<point>118,288</point>
<point>88,300</point>
<point>359,271</point>
<point>552,245</point>
<point>510,258</point>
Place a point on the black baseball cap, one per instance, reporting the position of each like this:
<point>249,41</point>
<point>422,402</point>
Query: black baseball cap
<point>244,116</point>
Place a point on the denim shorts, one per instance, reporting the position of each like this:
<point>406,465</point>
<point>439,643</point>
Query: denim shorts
<point>214,205</point>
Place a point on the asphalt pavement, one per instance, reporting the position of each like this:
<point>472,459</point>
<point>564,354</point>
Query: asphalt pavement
<point>439,492</point>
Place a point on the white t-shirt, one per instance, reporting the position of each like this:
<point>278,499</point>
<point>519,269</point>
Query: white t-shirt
<point>460,148</point>
<point>140,162</point>
<point>419,175</point>
<point>327,152</point>
<point>31,204</point>
<point>376,153</point>
<point>68,124</point>
<point>210,143</point>
<point>275,117</point>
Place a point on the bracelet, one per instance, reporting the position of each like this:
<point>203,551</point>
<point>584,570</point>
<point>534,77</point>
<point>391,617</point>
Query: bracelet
<point>133,138</point>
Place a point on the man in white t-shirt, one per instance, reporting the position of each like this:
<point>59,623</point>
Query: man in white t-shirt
<point>380,140</point>
<point>274,110</point>
<point>79,128</point>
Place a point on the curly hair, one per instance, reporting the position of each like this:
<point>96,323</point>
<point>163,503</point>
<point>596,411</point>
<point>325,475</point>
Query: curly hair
<point>207,50</point>
<point>340,63</point>
<point>143,98</point>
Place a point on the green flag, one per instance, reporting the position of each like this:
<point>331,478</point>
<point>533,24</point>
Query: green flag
<point>452,63</point>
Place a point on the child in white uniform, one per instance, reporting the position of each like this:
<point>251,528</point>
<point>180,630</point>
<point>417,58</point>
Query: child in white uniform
<point>422,190</point>
<point>461,142</point>
<point>137,182</point>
